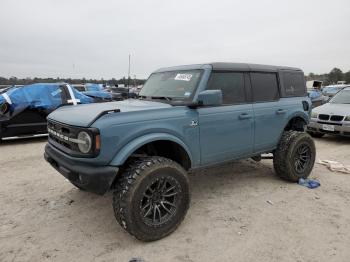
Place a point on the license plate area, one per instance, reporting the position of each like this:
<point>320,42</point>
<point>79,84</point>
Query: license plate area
<point>328,127</point>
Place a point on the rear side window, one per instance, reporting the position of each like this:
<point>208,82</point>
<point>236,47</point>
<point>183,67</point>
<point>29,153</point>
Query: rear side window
<point>264,86</point>
<point>294,84</point>
<point>231,84</point>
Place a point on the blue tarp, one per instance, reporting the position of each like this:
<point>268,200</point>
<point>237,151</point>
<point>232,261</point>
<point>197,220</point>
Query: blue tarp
<point>94,87</point>
<point>314,94</point>
<point>40,96</point>
<point>99,94</point>
<point>332,90</point>
<point>98,91</point>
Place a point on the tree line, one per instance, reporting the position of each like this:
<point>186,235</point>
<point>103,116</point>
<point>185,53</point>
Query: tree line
<point>332,77</point>
<point>27,81</point>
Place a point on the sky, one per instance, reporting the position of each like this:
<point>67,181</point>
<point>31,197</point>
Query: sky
<point>93,39</point>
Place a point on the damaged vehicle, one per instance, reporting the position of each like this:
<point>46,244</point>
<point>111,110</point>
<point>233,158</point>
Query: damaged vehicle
<point>186,118</point>
<point>98,92</point>
<point>124,91</point>
<point>314,88</point>
<point>333,117</point>
<point>23,110</point>
<point>332,90</point>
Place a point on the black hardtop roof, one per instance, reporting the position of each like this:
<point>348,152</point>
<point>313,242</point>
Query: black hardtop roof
<point>250,67</point>
<point>231,67</point>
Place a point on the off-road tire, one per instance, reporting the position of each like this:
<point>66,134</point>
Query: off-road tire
<point>286,155</point>
<point>316,134</point>
<point>128,197</point>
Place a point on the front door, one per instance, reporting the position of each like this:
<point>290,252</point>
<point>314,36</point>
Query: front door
<point>226,132</point>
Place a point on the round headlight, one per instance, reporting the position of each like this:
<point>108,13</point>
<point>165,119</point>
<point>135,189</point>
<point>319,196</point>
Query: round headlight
<point>85,142</point>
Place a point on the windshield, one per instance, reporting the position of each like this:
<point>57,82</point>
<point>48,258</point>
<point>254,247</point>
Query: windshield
<point>342,97</point>
<point>172,84</point>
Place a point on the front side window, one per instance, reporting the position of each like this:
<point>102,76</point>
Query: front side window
<point>264,86</point>
<point>231,84</point>
<point>179,84</point>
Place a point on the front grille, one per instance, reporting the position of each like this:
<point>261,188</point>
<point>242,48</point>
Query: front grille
<point>65,138</point>
<point>323,117</point>
<point>59,135</point>
<point>337,118</point>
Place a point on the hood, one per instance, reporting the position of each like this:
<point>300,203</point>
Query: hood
<point>85,115</point>
<point>333,109</point>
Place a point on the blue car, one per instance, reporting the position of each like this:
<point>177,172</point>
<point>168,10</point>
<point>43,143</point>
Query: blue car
<point>331,90</point>
<point>98,92</point>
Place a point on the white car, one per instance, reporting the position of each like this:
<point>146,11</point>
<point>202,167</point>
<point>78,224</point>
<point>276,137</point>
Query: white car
<point>332,117</point>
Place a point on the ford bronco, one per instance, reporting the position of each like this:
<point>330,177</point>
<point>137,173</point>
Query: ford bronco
<point>186,118</point>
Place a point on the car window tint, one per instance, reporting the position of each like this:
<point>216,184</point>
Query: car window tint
<point>231,84</point>
<point>264,86</point>
<point>294,84</point>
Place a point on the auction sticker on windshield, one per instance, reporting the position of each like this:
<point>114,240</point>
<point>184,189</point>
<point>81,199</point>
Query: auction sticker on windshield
<point>183,77</point>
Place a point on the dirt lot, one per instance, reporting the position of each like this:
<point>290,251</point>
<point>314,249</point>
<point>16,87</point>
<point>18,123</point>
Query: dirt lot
<point>239,212</point>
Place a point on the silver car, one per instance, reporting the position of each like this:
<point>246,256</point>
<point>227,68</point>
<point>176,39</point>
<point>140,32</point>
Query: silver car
<point>333,117</point>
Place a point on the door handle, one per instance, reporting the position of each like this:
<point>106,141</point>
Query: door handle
<point>244,116</point>
<point>281,111</point>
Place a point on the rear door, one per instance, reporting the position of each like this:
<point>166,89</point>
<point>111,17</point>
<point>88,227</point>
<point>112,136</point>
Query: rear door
<point>226,131</point>
<point>270,111</point>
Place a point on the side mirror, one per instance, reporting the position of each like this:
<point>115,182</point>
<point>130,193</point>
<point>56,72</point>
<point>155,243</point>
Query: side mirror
<point>210,98</point>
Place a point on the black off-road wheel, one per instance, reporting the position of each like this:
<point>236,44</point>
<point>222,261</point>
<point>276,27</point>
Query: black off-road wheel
<point>295,155</point>
<point>316,134</point>
<point>152,198</point>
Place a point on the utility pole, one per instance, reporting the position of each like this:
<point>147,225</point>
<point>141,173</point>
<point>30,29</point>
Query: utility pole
<point>129,76</point>
<point>129,70</point>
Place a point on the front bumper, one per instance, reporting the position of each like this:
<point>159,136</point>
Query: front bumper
<point>340,128</point>
<point>96,179</point>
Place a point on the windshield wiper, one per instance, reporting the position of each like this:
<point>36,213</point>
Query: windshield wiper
<point>158,97</point>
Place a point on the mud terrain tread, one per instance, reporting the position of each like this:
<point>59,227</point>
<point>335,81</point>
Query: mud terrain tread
<point>282,159</point>
<point>125,188</point>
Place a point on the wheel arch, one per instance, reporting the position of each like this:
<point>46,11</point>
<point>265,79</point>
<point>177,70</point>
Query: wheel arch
<point>297,121</point>
<point>123,155</point>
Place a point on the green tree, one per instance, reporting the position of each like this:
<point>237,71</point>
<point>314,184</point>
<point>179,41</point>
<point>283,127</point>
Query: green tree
<point>347,77</point>
<point>335,75</point>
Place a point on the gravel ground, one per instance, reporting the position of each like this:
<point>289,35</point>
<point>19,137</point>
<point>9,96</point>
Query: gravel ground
<point>239,212</point>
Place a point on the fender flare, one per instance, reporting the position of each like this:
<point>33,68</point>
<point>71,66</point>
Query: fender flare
<point>303,115</point>
<point>124,153</point>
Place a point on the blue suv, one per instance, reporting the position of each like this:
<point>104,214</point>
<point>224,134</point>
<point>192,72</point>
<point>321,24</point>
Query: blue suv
<point>186,118</point>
